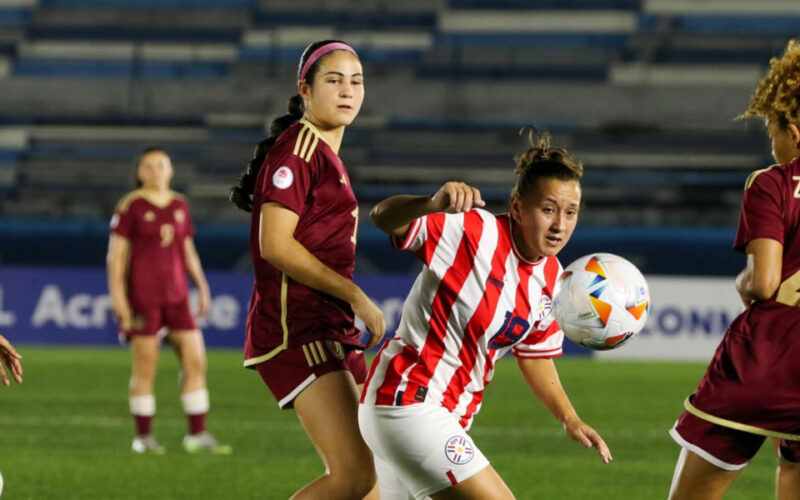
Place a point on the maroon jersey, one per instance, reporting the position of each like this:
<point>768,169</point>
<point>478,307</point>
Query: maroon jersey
<point>754,377</point>
<point>302,173</point>
<point>157,271</point>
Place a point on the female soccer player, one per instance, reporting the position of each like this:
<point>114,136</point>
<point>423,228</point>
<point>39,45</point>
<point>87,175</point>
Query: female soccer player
<point>10,358</point>
<point>486,289</point>
<point>301,336</point>
<point>149,253</point>
<point>751,389</point>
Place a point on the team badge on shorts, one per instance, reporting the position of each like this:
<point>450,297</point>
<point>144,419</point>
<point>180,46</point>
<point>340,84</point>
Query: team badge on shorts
<point>283,177</point>
<point>459,450</point>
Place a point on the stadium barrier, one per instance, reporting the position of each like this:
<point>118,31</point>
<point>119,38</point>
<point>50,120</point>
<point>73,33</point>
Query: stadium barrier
<point>64,306</point>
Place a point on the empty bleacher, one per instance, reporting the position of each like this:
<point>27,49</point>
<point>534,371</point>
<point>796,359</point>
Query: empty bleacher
<point>644,92</point>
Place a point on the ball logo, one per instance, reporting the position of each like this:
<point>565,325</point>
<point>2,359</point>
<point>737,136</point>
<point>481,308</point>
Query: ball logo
<point>282,178</point>
<point>459,450</point>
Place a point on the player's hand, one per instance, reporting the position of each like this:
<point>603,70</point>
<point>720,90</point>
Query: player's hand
<point>124,317</point>
<point>9,359</point>
<point>371,315</point>
<point>588,437</point>
<point>456,197</point>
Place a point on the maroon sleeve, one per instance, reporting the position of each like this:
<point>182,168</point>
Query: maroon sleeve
<point>762,210</point>
<point>287,180</point>
<point>122,222</point>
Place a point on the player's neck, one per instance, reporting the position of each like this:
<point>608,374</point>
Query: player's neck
<point>519,245</point>
<point>157,196</point>
<point>331,135</point>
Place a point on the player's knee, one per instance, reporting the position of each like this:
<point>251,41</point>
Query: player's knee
<point>356,474</point>
<point>141,384</point>
<point>353,482</point>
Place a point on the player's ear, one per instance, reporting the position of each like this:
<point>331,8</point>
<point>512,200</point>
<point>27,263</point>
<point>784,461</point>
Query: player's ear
<point>794,130</point>
<point>515,207</point>
<point>304,89</point>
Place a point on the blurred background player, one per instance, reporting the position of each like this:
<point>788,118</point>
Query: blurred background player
<point>751,389</point>
<point>150,252</point>
<point>301,336</point>
<point>486,289</point>
<point>10,360</point>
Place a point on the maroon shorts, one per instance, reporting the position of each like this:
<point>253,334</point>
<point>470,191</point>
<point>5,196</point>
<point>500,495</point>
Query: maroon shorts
<point>294,369</point>
<point>149,320</point>
<point>753,384</point>
<point>727,448</point>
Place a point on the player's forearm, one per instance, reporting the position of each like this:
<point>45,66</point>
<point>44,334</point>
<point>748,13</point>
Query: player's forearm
<point>542,377</point>
<point>398,211</point>
<point>195,268</point>
<point>116,283</point>
<point>298,263</point>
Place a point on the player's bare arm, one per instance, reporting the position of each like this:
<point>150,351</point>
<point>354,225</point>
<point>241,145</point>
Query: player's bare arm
<point>542,377</point>
<point>393,215</point>
<point>762,275</point>
<point>11,360</point>
<point>195,268</point>
<point>117,267</point>
<point>278,246</point>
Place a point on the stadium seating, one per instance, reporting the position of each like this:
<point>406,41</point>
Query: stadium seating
<point>644,92</point>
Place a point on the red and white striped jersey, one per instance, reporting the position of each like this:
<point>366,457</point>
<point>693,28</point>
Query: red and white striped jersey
<point>475,300</point>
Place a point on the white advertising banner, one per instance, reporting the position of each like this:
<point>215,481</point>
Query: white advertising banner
<point>688,317</point>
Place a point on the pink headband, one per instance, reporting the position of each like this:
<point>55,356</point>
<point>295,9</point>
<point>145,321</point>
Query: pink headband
<point>321,51</point>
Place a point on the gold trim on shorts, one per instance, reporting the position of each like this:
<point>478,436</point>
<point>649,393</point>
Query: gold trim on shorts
<point>723,422</point>
<point>285,344</point>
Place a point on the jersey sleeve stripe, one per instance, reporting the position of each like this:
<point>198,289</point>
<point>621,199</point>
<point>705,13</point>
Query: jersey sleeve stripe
<point>311,149</point>
<point>527,349</point>
<point>434,224</point>
<point>126,200</point>
<point>298,142</point>
<point>442,306</point>
<point>403,243</point>
<point>538,355</point>
<point>479,322</point>
<point>309,138</point>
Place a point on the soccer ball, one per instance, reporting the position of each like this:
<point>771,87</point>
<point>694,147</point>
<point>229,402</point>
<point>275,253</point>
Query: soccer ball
<point>603,301</point>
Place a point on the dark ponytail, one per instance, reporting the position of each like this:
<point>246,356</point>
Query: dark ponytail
<point>242,194</point>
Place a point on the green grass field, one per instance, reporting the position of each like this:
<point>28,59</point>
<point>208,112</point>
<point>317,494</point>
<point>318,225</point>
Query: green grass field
<point>65,433</point>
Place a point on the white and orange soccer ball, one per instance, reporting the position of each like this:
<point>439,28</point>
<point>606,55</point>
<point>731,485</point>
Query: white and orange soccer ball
<point>603,301</point>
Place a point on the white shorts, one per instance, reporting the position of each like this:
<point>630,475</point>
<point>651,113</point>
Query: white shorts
<point>423,444</point>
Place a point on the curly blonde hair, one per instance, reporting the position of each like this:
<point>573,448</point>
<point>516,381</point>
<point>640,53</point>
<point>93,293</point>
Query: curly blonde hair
<point>777,95</point>
<point>541,159</point>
